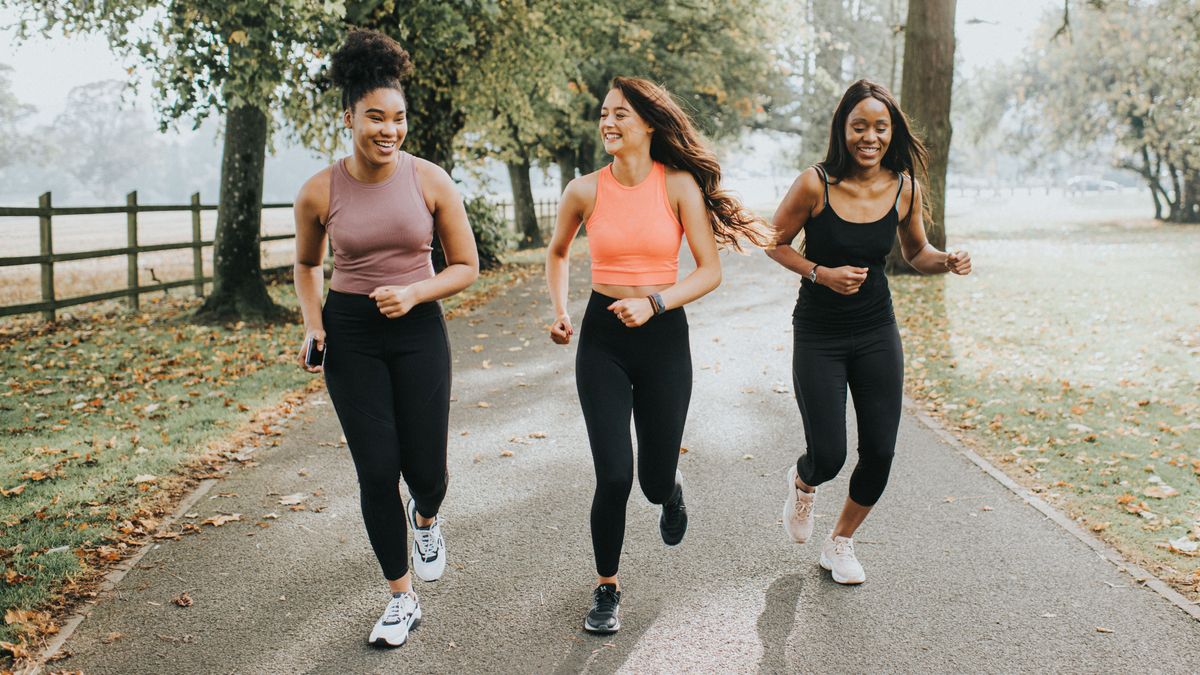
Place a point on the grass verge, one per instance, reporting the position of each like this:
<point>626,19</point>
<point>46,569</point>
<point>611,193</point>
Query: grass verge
<point>1066,362</point>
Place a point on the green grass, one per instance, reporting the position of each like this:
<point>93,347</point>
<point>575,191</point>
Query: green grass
<point>1071,359</point>
<point>104,415</point>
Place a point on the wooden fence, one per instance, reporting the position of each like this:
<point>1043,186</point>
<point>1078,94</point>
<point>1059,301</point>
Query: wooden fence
<point>45,212</point>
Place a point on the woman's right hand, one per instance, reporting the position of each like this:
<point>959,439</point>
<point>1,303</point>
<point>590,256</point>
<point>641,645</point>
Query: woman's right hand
<point>561,330</point>
<point>314,334</point>
<point>845,279</point>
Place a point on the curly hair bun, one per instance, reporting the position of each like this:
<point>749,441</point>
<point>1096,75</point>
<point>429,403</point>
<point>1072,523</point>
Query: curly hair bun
<point>367,61</point>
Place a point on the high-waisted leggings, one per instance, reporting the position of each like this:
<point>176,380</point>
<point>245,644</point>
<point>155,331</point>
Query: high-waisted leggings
<point>389,380</point>
<point>871,363</point>
<point>619,371</point>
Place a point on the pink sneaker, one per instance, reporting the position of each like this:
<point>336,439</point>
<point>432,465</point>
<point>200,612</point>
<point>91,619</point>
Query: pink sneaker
<point>837,556</point>
<point>798,510</point>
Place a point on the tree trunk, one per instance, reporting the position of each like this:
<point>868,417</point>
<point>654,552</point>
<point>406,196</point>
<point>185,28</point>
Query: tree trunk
<point>585,157</point>
<point>238,289</point>
<point>523,211</point>
<point>926,82</point>
<point>565,159</point>
<point>1189,199</point>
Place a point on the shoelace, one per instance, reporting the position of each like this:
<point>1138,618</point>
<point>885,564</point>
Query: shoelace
<point>397,609</point>
<point>427,540</point>
<point>803,506</point>
<point>843,548</point>
<point>606,598</point>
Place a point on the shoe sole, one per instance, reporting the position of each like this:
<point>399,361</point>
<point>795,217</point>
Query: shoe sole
<point>412,524</point>
<point>825,564</point>
<point>601,631</point>
<point>383,642</point>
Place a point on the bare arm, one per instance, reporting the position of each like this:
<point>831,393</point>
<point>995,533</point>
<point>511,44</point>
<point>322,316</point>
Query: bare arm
<point>790,218</point>
<point>571,210</point>
<point>923,256</point>
<point>458,243</point>
<point>693,215</point>
<point>310,211</point>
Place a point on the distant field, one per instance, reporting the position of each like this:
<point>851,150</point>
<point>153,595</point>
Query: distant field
<point>22,284</point>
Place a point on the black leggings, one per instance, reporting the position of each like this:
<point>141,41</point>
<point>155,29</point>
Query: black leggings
<point>389,380</point>
<point>871,362</point>
<point>618,370</point>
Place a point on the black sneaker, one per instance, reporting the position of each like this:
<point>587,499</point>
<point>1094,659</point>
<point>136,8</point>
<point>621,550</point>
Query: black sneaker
<point>604,615</point>
<point>673,521</point>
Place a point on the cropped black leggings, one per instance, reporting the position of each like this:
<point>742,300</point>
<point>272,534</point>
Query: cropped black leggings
<point>389,380</point>
<point>646,371</point>
<point>871,362</point>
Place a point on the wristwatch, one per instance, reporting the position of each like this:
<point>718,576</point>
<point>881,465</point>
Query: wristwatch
<point>812,276</point>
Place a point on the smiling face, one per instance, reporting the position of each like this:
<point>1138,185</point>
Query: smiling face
<point>868,132</point>
<point>378,123</point>
<point>621,128</point>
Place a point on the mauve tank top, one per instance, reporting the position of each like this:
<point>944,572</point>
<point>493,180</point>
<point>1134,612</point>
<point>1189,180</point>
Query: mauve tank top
<point>381,233</point>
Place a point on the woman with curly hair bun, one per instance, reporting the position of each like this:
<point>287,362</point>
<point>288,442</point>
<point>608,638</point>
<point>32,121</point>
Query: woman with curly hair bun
<point>844,328</point>
<point>634,357</point>
<point>381,334</point>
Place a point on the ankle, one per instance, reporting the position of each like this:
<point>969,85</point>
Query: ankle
<point>401,585</point>
<point>424,522</point>
<point>600,581</point>
<point>800,485</point>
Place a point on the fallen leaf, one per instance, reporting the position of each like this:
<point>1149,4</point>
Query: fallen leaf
<point>221,519</point>
<point>1184,545</point>
<point>145,478</point>
<point>292,500</point>
<point>184,600</point>
<point>506,453</point>
<point>747,456</point>
<point>1102,629</point>
<point>1160,491</point>
<point>483,404</point>
<point>13,492</point>
<point>538,434</point>
<point>112,637</point>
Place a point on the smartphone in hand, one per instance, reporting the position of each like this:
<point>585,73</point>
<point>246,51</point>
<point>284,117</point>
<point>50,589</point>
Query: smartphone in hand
<point>313,357</point>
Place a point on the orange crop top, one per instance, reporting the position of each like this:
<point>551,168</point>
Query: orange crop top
<point>633,233</point>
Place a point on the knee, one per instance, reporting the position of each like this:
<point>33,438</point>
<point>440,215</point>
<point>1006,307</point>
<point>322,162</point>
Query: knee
<point>379,487</point>
<point>614,484</point>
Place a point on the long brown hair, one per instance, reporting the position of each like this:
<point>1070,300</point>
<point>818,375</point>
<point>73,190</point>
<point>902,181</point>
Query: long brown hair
<point>906,152</point>
<point>676,143</point>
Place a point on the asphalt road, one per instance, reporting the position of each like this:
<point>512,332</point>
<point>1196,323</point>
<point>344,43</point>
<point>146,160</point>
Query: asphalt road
<point>952,585</point>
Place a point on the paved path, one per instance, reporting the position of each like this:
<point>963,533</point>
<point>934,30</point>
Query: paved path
<point>951,586</point>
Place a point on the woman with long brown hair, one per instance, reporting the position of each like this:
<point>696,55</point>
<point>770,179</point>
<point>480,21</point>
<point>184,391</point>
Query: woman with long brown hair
<point>633,356</point>
<point>845,332</point>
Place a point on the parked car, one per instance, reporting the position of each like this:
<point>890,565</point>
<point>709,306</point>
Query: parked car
<point>1091,184</point>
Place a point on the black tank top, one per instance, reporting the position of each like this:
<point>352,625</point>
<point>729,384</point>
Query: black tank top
<point>830,241</point>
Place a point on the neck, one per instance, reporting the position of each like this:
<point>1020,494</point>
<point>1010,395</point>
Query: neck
<point>368,172</point>
<point>631,169</point>
<point>859,173</point>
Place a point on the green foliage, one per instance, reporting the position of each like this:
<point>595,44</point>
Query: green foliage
<point>492,234</point>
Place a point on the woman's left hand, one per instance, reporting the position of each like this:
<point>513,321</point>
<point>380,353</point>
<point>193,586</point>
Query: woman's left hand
<point>632,312</point>
<point>958,262</point>
<point>394,301</point>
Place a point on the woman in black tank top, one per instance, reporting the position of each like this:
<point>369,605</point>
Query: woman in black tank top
<point>845,333</point>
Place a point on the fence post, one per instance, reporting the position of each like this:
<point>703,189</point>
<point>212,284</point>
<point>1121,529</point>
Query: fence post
<point>45,234</point>
<point>197,249</point>
<point>131,223</point>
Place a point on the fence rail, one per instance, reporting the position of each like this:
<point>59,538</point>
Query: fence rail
<point>45,212</point>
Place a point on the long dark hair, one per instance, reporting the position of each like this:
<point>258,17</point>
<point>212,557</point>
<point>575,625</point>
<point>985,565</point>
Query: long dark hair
<point>676,143</point>
<point>906,152</point>
<point>368,60</point>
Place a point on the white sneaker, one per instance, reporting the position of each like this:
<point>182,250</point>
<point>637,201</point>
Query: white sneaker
<point>837,556</point>
<point>428,547</point>
<point>798,510</point>
<point>402,613</point>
